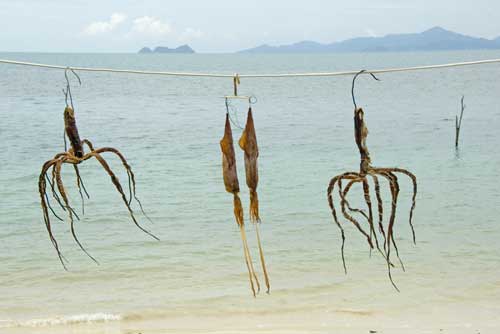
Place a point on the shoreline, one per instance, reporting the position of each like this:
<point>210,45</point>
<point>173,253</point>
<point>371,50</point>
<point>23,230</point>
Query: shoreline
<point>462,319</point>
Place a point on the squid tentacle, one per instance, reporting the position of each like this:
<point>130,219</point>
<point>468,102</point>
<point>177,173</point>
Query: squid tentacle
<point>380,206</point>
<point>366,190</point>
<point>42,187</point>
<point>331,186</point>
<point>81,186</point>
<point>394,196</point>
<point>343,195</point>
<point>131,177</point>
<point>119,188</point>
<point>238,213</point>
<point>62,191</point>
<point>413,204</point>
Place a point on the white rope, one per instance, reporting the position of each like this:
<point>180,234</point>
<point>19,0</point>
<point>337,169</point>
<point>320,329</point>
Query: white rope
<point>218,75</point>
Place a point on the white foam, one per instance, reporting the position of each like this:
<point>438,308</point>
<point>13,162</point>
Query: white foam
<point>63,320</point>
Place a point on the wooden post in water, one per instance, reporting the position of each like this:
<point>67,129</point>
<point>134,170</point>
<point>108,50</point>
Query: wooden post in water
<point>458,121</point>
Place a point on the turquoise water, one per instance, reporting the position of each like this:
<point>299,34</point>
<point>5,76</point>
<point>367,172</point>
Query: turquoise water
<point>169,129</point>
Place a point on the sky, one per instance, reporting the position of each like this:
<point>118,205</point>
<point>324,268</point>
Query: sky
<point>226,25</point>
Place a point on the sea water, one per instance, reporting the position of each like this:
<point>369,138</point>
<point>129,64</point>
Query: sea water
<point>169,129</point>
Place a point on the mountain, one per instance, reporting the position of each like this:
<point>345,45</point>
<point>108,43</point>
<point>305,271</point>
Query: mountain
<point>145,50</point>
<point>164,49</point>
<point>433,39</point>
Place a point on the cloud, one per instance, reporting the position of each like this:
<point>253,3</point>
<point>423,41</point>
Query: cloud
<point>100,27</point>
<point>149,25</point>
<point>146,28</point>
<point>190,34</point>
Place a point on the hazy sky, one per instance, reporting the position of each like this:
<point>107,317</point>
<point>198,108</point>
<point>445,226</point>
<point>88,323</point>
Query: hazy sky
<point>226,25</point>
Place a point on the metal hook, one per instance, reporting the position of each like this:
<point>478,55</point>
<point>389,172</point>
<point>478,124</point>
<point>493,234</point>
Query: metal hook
<point>353,81</point>
<point>67,92</point>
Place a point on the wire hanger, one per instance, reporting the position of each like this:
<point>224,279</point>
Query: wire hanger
<point>232,112</point>
<point>354,80</point>
<point>67,91</point>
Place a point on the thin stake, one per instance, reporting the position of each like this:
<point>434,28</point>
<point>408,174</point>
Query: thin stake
<point>458,121</point>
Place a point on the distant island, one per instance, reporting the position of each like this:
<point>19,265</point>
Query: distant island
<point>434,39</point>
<point>163,49</point>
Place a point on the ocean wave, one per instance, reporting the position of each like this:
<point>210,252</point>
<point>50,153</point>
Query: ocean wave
<point>62,320</point>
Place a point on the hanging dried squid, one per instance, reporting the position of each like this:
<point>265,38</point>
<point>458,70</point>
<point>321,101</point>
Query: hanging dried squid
<point>248,143</point>
<point>231,184</point>
<point>367,171</point>
<point>75,156</point>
